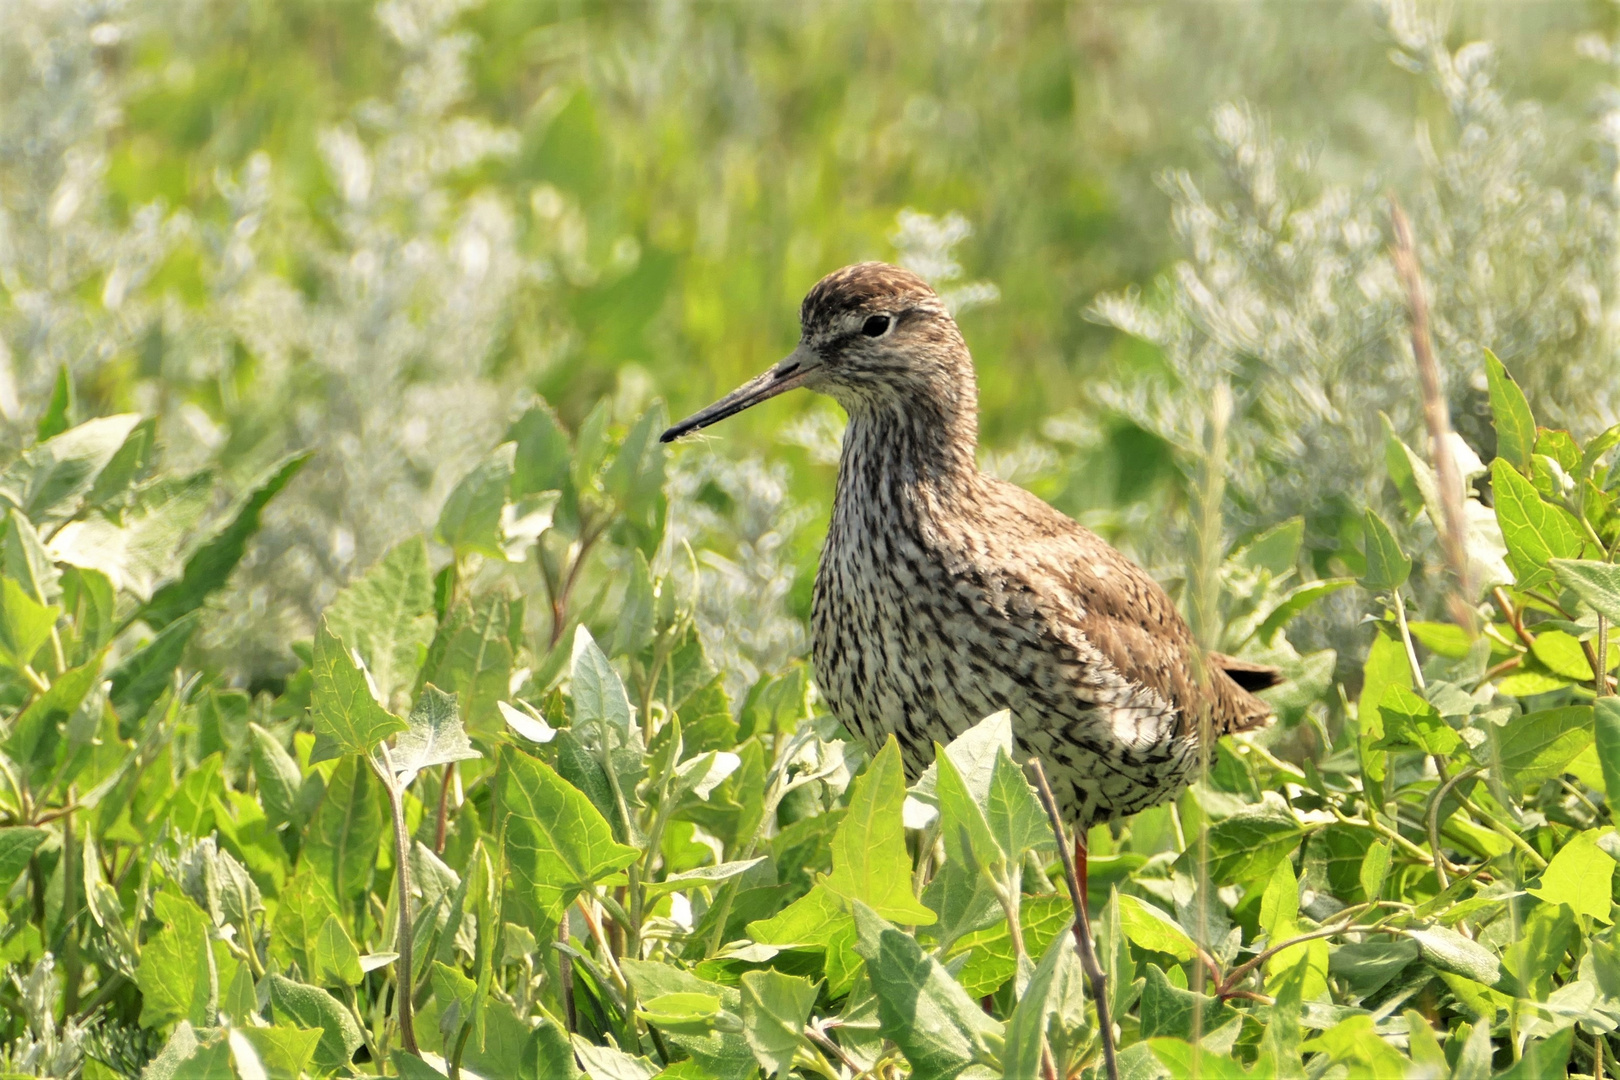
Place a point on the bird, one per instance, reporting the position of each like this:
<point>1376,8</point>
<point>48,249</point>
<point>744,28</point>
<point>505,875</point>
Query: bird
<point>944,594</point>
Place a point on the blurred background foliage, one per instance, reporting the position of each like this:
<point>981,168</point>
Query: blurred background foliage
<point>381,231</point>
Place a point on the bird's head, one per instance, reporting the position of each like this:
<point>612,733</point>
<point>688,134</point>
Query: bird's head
<point>875,338</point>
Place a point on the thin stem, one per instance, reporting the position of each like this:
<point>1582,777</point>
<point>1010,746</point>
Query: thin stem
<point>446,780</point>
<point>1503,830</point>
<point>1439,797</point>
<point>406,972</point>
<point>1600,663</point>
<point>1406,638</point>
<point>1082,922</point>
<point>1437,417</point>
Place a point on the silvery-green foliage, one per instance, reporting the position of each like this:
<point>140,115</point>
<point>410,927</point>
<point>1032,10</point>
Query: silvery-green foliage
<point>383,369</point>
<point>1287,294</point>
<point>741,520</point>
<point>43,1049</point>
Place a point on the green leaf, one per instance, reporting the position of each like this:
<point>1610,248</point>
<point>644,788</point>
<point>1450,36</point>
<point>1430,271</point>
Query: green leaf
<point>870,862</point>
<point>343,838</point>
<point>470,522</point>
<point>1374,869</point>
<point>145,547</point>
<point>1246,846</point>
<point>1154,930</point>
<point>284,1052</point>
<point>1534,530</point>
<point>774,1010</point>
<point>1515,426</point>
<point>1597,583</point>
<point>210,566</point>
<point>1186,1061</point>
<point>1169,1010</point>
<point>1016,818</point>
<point>611,1063</point>
<point>1563,654</point>
<point>170,965</point>
<point>543,452</point>
<point>435,736</point>
<point>929,1016</point>
<point>1295,602</point>
<point>312,1007</point>
<point>557,844</point>
<point>990,954</point>
<point>1449,951</point>
<point>17,845</point>
<point>1387,566</point>
<point>54,420</point>
<point>25,624</point>
<point>1606,727</point>
<point>1412,724</point>
<point>336,961</point>
<point>472,659</point>
<point>36,734</point>
<point>1026,1027</point>
<point>1540,746</point>
<point>818,919</point>
<point>387,617</point>
<point>1580,875</point>
<point>49,482</point>
<point>277,776</point>
<point>723,1054</point>
<point>598,693</point>
<point>23,558</point>
<point>347,718</point>
<point>140,679</point>
<point>455,995</point>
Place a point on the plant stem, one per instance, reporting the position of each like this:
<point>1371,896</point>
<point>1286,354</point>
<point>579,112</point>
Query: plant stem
<point>1082,922</point>
<point>1600,667</point>
<point>1437,417</point>
<point>1406,638</point>
<point>405,974</point>
<point>446,780</point>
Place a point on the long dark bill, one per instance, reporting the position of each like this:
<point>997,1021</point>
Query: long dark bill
<point>784,376</point>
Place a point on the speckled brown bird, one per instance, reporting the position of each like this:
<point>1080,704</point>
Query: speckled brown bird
<point>945,594</point>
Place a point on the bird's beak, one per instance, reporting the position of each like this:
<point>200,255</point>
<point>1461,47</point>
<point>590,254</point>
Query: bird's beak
<point>790,373</point>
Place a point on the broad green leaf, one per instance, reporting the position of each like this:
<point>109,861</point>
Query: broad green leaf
<point>1540,746</point>
<point>1368,966</point>
<point>611,1063</point>
<point>435,736</point>
<point>277,776</point>
<point>181,1048</point>
<point>1169,1010</point>
<point>774,1010</point>
<point>455,995</point>
<point>25,624</point>
<point>210,566</point>
<point>1449,951</point>
<point>1154,930</point>
<point>1245,846</point>
<point>1387,566</point>
<point>348,826</point>
<point>1534,530</point>
<point>146,547</point>
<point>921,1008</point>
<point>472,659</point>
<point>1295,603</point>
<point>541,461</point>
<point>557,844</point>
<point>818,919</point>
<point>347,718</point>
<point>598,693</point>
<point>1563,654</point>
<point>870,862</point>
<point>1014,813</point>
<point>54,420</point>
<point>1443,639</point>
<point>1374,869</point>
<point>724,1053</point>
<point>1606,726</point>
<point>470,522</point>
<point>285,1052</point>
<point>24,559</point>
<point>49,481</point>
<point>1580,875</point>
<point>1186,1061</point>
<point>1515,426</point>
<point>17,846</point>
<point>1412,724</point>
<point>171,961</point>
<point>973,753</point>
<point>1026,1027</point>
<point>336,961</point>
<point>305,902</point>
<point>311,1007</point>
<point>1597,583</point>
<point>1386,666</point>
<point>634,631</point>
<point>142,676</point>
<point>387,617</point>
<point>635,479</point>
<point>990,954</point>
<point>37,733</point>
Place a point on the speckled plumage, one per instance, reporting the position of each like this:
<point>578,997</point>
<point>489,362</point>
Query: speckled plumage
<point>945,594</point>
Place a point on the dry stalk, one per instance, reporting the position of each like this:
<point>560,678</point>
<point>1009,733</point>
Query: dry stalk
<point>1437,417</point>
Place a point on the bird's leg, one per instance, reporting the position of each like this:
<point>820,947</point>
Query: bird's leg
<point>1083,905</point>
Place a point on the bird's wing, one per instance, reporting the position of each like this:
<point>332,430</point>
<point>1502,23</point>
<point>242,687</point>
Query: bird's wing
<point>1120,611</point>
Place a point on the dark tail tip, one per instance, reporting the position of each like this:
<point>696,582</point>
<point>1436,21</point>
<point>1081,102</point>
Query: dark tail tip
<point>1248,674</point>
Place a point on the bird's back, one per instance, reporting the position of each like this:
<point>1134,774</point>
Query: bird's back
<point>937,606</point>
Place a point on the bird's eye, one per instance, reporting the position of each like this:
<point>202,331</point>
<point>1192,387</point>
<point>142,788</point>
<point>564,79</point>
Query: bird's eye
<point>876,326</point>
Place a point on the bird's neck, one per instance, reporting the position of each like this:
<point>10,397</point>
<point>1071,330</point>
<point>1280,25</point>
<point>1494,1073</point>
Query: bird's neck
<point>902,458</point>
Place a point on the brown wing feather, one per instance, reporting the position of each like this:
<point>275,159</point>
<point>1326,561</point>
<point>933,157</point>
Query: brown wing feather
<point>1128,617</point>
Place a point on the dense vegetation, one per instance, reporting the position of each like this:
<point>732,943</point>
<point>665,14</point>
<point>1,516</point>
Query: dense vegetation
<point>378,696</point>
